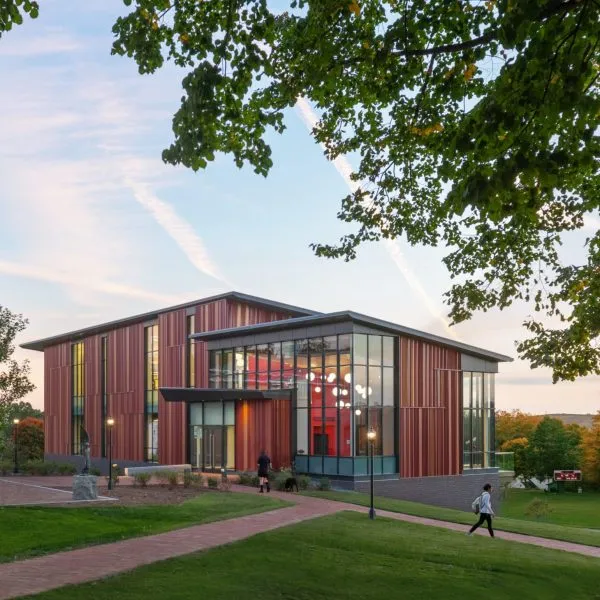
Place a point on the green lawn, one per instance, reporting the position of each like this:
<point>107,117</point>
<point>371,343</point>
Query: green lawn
<point>545,528</point>
<point>346,556</point>
<point>579,510</point>
<point>31,531</point>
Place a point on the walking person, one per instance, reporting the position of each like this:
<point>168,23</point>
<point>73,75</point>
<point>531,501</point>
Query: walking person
<point>264,464</point>
<point>483,505</point>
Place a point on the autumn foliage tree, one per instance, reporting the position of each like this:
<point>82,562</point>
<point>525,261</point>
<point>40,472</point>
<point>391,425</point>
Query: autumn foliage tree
<point>30,432</point>
<point>591,453</point>
<point>512,425</point>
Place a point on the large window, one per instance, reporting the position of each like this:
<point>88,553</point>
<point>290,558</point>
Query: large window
<point>103,388</point>
<point>478,420</point>
<point>344,387</point>
<point>151,394</point>
<point>191,353</point>
<point>77,396</point>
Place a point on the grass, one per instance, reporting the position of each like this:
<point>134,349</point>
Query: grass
<point>31,531</point>
<point>346,556</point>
<point>578,510</point>
<point>543,529</point>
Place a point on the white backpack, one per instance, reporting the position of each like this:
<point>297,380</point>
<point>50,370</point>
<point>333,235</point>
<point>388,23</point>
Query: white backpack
<point>476,505</point>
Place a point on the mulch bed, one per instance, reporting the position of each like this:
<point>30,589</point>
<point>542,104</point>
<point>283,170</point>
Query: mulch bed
<point>137,496</point>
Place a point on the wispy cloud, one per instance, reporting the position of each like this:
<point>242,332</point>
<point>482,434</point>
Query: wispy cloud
<point>91,282</point>
<point>52,42</point>
<point>392,247</point>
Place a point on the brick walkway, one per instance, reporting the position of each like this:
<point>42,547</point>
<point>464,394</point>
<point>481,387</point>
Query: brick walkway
<point>24,491</point>
<point>87,564</point>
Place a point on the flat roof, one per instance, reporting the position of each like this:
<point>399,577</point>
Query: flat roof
<point>104,327</point>
<point>349,316</point>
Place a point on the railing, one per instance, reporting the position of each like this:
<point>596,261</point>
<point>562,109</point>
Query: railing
<point>505,461</point>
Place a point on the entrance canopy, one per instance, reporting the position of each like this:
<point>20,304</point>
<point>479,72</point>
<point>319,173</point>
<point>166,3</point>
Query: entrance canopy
<point>215,395</point>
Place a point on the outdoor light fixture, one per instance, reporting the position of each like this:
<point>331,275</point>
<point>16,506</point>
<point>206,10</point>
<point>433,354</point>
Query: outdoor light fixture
<point>371,436</point>
<point>357,412</point>
<point>16,436</point>
<point>109,423</point>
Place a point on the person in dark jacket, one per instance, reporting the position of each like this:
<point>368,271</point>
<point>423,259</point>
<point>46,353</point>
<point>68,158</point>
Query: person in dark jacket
<point>264,464</point>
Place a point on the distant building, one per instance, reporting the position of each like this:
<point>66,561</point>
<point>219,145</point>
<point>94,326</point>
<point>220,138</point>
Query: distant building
<point>212,382</point>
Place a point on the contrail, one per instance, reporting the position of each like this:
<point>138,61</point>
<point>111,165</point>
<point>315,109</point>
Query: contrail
<point>177,228</point>
<point>344,168</point>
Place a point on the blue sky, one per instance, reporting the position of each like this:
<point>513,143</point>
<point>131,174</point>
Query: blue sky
<point>95,227</point>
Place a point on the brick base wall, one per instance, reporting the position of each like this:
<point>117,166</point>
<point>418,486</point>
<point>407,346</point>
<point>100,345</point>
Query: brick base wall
<point>454,491</point>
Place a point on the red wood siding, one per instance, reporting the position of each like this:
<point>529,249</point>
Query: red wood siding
<point>172,417</point>
<point>262,424</point>
<point>430,419</point>
<point>57,399</point>
<point>126,391</point>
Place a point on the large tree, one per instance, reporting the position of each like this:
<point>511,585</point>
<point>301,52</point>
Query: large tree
<point>14,376</point>
<point>13,11</point>
<point>475,123</point>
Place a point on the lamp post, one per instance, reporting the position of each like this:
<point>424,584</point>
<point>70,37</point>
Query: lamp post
<point>16,436</point>
<point>109,423</point>
<point>371,435</point>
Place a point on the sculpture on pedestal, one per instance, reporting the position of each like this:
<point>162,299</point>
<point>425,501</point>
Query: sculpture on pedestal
<point>85,450</point>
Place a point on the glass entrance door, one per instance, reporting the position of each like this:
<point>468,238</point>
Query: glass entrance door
<point>213,448</point>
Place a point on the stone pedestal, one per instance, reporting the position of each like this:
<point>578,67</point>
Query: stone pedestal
<point>85,487</point>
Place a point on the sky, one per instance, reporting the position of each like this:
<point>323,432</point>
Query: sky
<point>94,227</point>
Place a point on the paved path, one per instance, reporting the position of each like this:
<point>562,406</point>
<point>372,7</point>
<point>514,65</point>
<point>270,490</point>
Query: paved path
<point>87,564</point>
<point>26,491</point>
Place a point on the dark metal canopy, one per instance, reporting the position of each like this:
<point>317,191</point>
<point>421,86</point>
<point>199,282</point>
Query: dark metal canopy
<point>214,395</point>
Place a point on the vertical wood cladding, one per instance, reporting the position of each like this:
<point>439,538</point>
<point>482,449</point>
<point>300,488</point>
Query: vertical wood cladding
<point>125,389</point>
<point>430,411</point>
<point>57,399</point>
<point>262,424</point>
<point>125,386</point>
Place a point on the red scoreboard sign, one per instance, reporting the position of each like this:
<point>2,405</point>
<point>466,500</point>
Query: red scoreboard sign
<point>567,475</point>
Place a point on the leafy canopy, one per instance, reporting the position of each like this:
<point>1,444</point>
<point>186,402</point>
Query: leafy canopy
<point>14,376</point>
<point>13,11</point>
<point>476,124</point>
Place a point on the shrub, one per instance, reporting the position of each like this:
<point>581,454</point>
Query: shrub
<point>324,484</point>
<point>538,508</point>
<point>303,482</point>
<point>278,481</point>
<point>36,467</point>
<point>197,480</point>
<point>248,478</point>
<point>213,483</point>
<point>66,469</point>
<point>172,479</point>
<point>6,467</point>
<point>95,471</point>
<point>225,485</point>
<point>188,479</point>
<point>31,439</point>
<point>142,479</point>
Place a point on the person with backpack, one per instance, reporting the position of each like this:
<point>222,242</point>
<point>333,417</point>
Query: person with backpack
<point>482,505</point>
<point>264,464</point>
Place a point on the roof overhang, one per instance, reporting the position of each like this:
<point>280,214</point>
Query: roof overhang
<point>331,323</point>
<point>80,334</point>
<point>216,395</point>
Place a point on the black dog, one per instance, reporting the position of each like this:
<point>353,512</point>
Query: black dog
<point>290,484</point>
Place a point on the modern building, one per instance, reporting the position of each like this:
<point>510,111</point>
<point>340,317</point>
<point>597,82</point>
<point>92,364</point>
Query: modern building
<point>212,382</point>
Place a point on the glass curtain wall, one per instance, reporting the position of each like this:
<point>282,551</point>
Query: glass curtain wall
<point>151,399</point>
<point>478,420</point>
<point>344,387</point>
<point>77,396</point>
